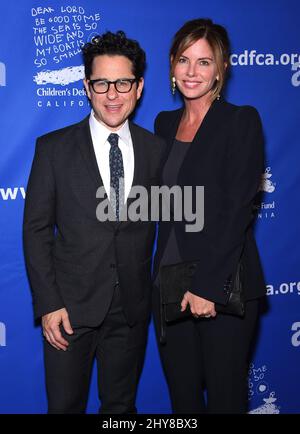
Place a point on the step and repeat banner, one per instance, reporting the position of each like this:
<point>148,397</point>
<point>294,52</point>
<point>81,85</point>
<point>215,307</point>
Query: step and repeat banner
<point>41,90</point>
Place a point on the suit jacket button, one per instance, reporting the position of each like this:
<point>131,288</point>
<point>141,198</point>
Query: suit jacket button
<point>112,265</point>
<point>229,279</point>
<point>191,269</point>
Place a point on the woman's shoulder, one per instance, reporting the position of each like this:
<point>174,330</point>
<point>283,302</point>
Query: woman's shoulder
<point>168,114</point>
<point>240,111</point>
<point>164,119</point>
<point>244,122</point>
<point>238,117</point>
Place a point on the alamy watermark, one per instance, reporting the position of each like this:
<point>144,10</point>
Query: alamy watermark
<point>160,204</point>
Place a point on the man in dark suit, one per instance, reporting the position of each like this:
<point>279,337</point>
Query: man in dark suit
<point>90,278</point>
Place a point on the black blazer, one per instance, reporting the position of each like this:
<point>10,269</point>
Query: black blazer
<point>226,157</point>
<point>73,260</point>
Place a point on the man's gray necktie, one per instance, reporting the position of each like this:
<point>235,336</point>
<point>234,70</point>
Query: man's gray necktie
<point>116,174</point>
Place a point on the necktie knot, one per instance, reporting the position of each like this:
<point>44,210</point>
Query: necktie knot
<point>113,139</point>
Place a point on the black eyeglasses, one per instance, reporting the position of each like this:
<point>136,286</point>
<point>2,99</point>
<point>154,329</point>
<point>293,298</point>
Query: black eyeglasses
<point>123,85</point>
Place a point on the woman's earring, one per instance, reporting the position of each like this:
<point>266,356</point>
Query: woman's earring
<point>218,97</point>
<point>173,85</point>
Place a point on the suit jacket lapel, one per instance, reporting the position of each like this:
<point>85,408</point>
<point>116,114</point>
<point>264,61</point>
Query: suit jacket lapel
<point>86,147</point>
<point>207,127</point>
<point>172,131</point>
<point>137,142</point>
<point>139,162</point>
<point>85,144</point>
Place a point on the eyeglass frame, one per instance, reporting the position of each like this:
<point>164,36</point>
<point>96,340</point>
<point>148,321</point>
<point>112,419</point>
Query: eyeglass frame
<point>131,80</point>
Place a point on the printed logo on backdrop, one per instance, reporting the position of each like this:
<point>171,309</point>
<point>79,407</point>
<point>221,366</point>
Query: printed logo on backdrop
<point>253,58</point>
<point>285,288</point>
<point>58,35</point>
<point>2,74</point>
<point>295,336</point>
<point>266,209</point>
<point>296,75</point>
<point>2,335</point>
<point>259,391</point>
<point>12,193</point>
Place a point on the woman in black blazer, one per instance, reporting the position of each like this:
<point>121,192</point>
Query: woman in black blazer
<point>218,145</point>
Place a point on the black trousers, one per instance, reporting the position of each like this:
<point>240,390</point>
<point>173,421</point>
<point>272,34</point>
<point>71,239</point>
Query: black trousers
<point>207,354</point>
<point>119,351</point>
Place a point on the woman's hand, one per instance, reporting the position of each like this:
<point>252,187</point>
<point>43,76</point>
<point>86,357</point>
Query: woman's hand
<point>200,307</point>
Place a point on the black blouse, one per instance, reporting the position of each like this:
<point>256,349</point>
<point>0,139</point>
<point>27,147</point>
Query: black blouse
<point>170,172</point>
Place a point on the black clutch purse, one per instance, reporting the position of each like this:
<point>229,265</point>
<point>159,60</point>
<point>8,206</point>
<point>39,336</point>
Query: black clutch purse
<point>176,279</point>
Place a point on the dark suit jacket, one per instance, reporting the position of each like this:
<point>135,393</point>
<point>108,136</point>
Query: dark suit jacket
<point>73,260</point>
<point>226,157</point>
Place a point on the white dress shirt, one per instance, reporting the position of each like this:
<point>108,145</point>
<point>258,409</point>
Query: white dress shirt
<point>100,134</point>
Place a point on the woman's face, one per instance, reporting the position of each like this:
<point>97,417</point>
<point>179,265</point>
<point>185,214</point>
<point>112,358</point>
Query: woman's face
<point>196,70</point>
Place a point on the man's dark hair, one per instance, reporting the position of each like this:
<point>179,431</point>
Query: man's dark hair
<point>114,44</point>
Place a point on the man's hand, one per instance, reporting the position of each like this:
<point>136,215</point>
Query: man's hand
<point>51,331</point>
<point>199,306</point>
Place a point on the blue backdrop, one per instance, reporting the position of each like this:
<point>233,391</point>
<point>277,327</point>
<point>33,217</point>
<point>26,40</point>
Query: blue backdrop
<point>41,90</point>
